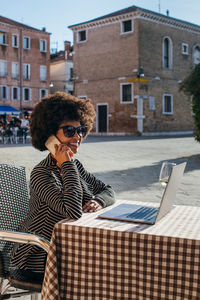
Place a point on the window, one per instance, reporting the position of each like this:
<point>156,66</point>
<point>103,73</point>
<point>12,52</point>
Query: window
<point>82,36</point>
<point>27,94</point>
<point>15,93</point>
<point>26,42</point>
<point>152,105</point>
<point>191,104</point>
<point>71,73</point>
<point>15,69</point>
<point>27,71</point>
<point>4,92</point>
<point>3,68</point>
<point>43,93</point>
<point>196,54</point>
<point>3,37</point>
<point>126,93</point>
<point>167,53</point>
<point>43,46</point>
<point>167,104</point>
<point>184,48</point>
<point>126,26</point>
<point>15,41</point>
<point>43,73</point>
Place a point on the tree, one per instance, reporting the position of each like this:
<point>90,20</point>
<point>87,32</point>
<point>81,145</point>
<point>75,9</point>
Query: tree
<point>191,87</point>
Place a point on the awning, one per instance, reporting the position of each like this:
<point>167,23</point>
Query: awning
<point>9,110</point>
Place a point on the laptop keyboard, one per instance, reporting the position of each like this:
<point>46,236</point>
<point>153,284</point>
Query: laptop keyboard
<point>143,213</point>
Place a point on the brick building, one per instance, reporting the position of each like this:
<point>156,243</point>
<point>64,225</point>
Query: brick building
<point>130,63</point>
<point>61,70</point>
<point>24,64</point>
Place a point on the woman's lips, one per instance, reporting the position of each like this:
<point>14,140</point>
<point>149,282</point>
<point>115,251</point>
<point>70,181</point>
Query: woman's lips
<point>74,146</point>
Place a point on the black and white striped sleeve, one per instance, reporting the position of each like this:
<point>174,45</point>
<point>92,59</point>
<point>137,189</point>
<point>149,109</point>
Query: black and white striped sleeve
<point>102,192</point>
<point>66,201</point>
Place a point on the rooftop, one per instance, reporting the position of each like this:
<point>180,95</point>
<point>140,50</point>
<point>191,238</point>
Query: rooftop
<point>18,24</point>
<point>130,10</point>
<point>66,54</point>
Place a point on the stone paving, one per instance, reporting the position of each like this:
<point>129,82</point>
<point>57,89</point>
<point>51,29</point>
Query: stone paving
<point>130,164</point>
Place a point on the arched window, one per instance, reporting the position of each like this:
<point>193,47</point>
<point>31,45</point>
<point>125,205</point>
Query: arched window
<point>167,53</point>
<point>196,54</point>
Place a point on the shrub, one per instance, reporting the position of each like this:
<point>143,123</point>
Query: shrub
<point>191,87</point>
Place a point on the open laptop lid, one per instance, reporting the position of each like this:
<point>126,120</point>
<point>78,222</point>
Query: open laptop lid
<point>170,190</point>
<point>122,211</point>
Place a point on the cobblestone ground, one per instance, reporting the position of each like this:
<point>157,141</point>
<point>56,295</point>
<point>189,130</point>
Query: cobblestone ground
<point>130,164</point>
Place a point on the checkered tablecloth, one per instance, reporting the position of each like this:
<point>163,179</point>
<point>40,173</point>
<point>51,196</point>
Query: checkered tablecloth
<point>98,259</point>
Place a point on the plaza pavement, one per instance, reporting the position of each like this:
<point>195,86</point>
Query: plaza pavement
<point>130,164</point>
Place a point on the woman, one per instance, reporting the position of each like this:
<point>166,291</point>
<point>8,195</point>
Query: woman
<point>60,187</point>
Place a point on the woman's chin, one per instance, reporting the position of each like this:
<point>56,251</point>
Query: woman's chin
<point>74,149</point>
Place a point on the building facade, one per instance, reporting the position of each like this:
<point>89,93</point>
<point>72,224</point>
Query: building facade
<point>61,70</point>
<point>24,64</point>
<point>130,63</point>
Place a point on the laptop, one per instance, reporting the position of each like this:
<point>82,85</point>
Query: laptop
<point>147,214</point>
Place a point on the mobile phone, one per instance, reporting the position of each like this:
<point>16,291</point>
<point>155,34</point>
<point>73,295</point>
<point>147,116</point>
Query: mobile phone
<point>51,141</point>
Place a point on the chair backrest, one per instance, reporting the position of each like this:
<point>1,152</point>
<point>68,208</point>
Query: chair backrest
<point>13,204</point>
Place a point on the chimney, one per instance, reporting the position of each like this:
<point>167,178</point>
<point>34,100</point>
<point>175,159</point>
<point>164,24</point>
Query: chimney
<point>67,46</point>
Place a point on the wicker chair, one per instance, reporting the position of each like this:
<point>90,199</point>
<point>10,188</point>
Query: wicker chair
<point>13,210</point>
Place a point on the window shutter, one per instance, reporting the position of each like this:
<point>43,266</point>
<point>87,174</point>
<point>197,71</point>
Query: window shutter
<point>43,73</point>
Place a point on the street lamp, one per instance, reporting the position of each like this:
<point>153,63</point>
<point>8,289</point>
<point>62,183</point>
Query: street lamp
<point>140,73</point>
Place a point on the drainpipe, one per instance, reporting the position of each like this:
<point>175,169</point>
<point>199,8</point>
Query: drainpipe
<point>20,68</point>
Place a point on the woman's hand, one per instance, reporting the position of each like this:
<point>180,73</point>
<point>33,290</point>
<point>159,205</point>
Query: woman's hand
<point>92,206</point>
<point>62,153</point>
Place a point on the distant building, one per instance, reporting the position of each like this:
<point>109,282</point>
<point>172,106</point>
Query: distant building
<point>61,70</point>
<point>24,64</point>
<point>130,63</point>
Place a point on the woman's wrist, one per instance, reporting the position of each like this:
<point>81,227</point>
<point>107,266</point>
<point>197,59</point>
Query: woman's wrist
<point>92,206</point>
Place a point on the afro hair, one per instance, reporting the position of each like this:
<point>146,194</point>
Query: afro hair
<point>60,107</point>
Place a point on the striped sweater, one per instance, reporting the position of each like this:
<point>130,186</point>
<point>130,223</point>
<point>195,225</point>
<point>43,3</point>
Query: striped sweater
<point>55,195</point>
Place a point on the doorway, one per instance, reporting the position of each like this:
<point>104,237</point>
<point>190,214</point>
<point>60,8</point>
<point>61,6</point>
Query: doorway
<point>102,117</point>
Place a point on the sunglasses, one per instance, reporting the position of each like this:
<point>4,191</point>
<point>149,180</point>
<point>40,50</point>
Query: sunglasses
<point>69,131</point>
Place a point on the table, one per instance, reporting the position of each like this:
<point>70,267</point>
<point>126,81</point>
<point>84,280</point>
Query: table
<point>93,258</point>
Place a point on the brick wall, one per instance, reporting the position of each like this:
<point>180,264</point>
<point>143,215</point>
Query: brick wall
<point>150,39</point>
<point>109,58</point>
<point>33,57</point>
<point>102,62</point>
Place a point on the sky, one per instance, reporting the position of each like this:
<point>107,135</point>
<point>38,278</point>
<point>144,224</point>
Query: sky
<point>56,16</point>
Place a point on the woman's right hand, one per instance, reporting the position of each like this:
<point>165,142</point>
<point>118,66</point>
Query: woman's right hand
<point>62,153</point>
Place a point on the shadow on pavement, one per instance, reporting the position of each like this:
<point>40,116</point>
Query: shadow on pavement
<point>137,178</point>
